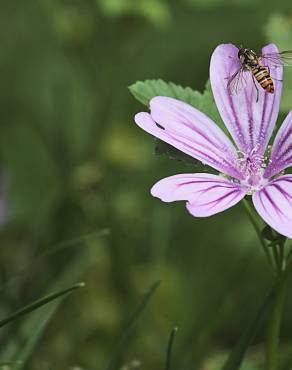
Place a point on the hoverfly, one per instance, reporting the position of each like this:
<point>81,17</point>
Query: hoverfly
<point>260,73</point>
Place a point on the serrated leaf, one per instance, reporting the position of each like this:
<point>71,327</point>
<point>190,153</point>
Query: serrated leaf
<point>144,91</point>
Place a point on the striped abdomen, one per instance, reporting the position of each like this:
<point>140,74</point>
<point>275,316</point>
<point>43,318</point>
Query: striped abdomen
<point>263,77</point>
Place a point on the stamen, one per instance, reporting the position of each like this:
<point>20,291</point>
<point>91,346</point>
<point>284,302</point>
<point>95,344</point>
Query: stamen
<point>252,165</point>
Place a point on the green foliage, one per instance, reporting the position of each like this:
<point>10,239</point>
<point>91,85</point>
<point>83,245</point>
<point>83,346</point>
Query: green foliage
<point>121,345</point>
<point>145,91</point>
<point>212,3</point>
<point>77,163</point>
<point>279,31</point>
<point>156,11</point>
<point>39,303</point>
<point>235,359</point>
<point>33,328</point>
<point>35,184</point>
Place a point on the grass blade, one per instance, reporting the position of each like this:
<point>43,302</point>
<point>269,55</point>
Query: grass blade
<point>39,303</point>
<point>121,342</point>
<point>169,349</point>
<point>40,324</point>
<point>32,329</point>
<point>58,247</point>
<point>236,357</point>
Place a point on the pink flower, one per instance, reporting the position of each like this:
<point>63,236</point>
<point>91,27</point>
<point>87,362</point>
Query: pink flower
<point>244,166</point>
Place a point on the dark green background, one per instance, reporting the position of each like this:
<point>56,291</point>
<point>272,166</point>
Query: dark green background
<point>76,164</point>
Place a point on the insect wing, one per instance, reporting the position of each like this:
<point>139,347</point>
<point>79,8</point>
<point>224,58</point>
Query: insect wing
<point>283,58</point>
<point>237,81</point>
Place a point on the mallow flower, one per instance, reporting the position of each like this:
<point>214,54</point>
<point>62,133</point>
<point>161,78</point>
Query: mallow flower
<point>246,165</point>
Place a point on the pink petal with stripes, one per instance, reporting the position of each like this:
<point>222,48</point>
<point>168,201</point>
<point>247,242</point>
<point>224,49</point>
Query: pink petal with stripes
<point>192,132</point>
<point>281,156</point>
<point>206,194</point>
<point>274,204</point>
<point>250,122</point>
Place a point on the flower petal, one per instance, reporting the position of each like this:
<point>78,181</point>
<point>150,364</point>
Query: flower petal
<point>249,121</point>
<point>192,132</point>
<point>281,156</point>
<point>274,204</point>
<point>206,194</point>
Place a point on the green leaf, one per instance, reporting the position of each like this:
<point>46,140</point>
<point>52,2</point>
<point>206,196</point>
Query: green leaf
<point>39,303</point>
<point>144,91</point>
<point>32,329</point>
<point>236,357</point>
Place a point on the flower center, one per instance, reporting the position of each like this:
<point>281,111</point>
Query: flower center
<point>252,165</point>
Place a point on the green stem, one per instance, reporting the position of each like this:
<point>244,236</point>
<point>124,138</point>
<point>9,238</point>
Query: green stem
<point>278,264</point>
<point>276,256</point>
<point>275,323</point>
<point>257,228</point>
<point>289,255</point>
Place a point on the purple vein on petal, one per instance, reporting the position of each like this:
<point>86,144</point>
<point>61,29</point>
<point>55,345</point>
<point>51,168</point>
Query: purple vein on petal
<point>214,202</point>
<point>214,141</point>
<point>196,148</point>
<point>238,130</point>
<point>283,192</point>
<point>266,124</point>
<point>285,137</point>
<point>250,119</point>
<point>282,155</point>
<point>267,195</point>
<point>202,155</point>
<point>191,126</point>
<point>223,185</point>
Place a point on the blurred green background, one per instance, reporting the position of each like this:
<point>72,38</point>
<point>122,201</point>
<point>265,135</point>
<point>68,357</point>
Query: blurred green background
<point>75,180</point>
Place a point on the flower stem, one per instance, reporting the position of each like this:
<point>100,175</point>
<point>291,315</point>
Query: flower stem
<point>257,228</point>
<point>275,322</point>
<point>277,261</point>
